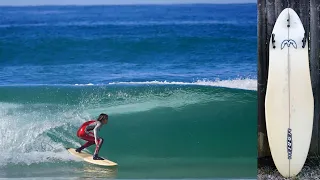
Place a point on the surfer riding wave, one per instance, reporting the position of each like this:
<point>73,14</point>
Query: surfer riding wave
<point>89,132</point>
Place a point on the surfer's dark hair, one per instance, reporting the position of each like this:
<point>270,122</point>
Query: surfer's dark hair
<point>102,117</point>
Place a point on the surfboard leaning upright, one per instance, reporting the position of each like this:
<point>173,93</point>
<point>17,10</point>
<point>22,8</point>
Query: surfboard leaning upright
<point>289,98</point>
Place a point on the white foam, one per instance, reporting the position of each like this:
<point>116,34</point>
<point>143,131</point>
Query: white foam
<point>89,84</point>
<point>246,84</point>
<point>34,157</point>
<point>239,83</point>
<point>24,135</point>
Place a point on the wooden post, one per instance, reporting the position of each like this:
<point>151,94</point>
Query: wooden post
<point>314,68</point>
<point>268,12</point>
<point>262,78</point>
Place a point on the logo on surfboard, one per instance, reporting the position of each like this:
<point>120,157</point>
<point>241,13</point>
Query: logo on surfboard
<point>289,143</point>
<point>288,43</point>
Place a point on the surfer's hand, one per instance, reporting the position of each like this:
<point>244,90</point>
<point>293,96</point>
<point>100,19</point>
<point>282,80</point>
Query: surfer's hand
<point>96,141</point>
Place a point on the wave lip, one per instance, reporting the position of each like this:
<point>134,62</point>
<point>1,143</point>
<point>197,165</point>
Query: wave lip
<point>246,84</point>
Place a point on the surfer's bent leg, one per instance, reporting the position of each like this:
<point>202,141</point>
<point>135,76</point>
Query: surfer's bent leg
<point>89,138</point>
<point>96,152</point>
<point>98,146</point>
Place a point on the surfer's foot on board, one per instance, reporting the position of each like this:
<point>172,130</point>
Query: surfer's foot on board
<point>96,157</point>
<point>78,150</point>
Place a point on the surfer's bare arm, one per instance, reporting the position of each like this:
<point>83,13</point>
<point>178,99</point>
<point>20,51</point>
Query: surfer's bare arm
<point>95,131</point>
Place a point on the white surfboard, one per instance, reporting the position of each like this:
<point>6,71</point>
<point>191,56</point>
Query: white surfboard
<point>289,99</point>
<point>88,158</point>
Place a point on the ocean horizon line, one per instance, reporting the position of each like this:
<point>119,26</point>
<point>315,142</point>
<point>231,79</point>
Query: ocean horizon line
<point>126,4</point>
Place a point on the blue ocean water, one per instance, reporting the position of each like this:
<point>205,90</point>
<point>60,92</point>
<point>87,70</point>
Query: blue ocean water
<point>178,81</point>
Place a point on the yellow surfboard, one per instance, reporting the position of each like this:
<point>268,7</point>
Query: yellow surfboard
<point>88,158</point>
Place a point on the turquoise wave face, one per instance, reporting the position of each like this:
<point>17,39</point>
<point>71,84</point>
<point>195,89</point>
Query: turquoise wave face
<point>204,130</point>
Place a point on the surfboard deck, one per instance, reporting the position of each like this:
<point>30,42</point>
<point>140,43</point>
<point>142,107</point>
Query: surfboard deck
<point>88,158</point>
<point>289,99</point>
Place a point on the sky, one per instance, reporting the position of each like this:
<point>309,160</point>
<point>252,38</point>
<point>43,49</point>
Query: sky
<point>108,2</point>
